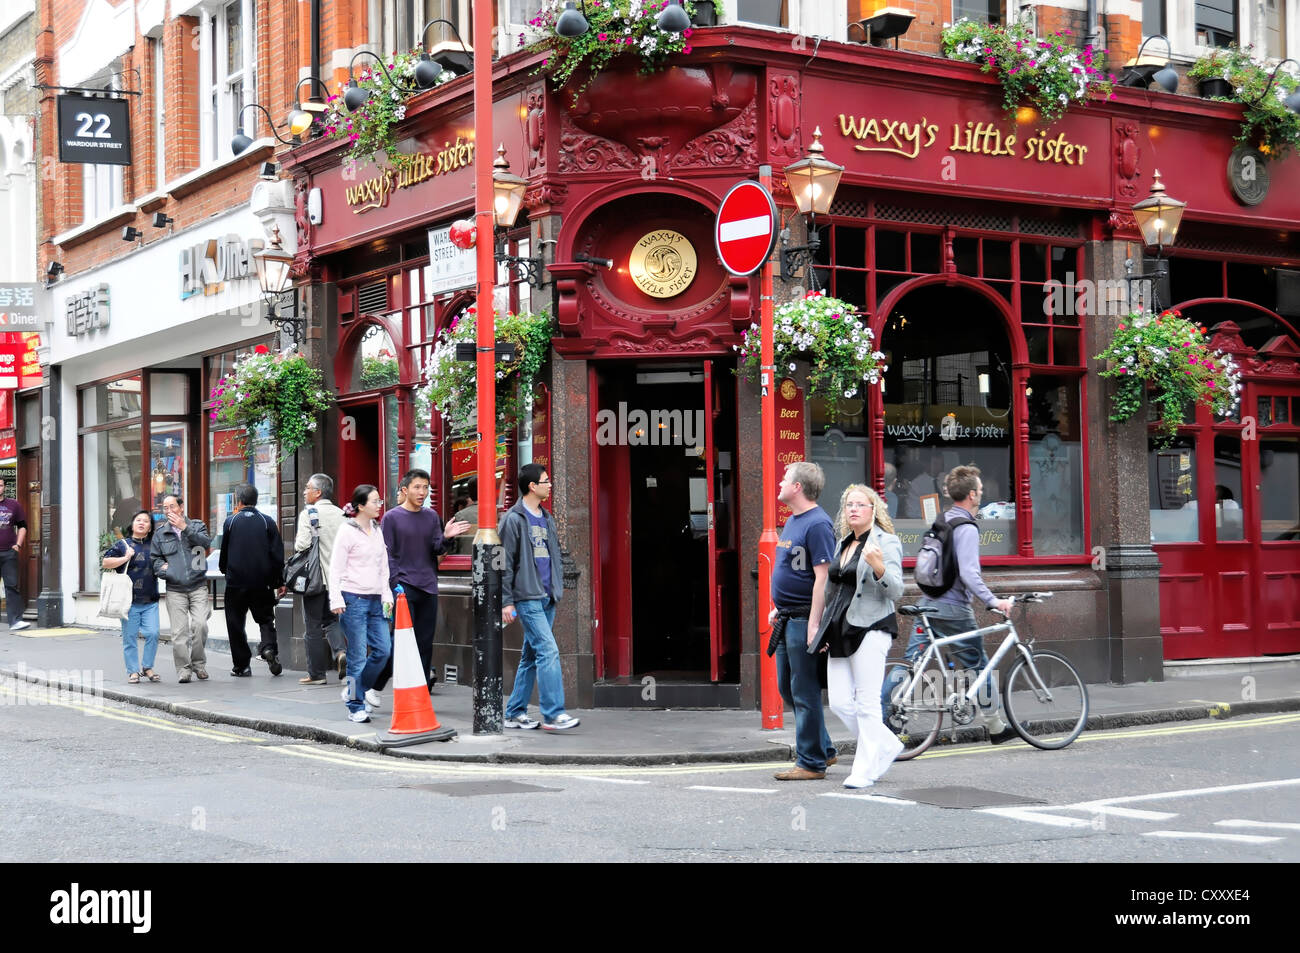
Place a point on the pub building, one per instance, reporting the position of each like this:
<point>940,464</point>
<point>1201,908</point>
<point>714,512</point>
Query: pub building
<point>981,251</point>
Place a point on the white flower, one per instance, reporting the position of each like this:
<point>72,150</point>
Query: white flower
<point>792,367</point>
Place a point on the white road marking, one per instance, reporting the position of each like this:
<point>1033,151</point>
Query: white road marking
<point>1035,817</point>
<point>1197,835</point>
<point>1131,813</point>
<point>1270,825</point>
<point>592,777</point>
<point>709,787</point>
<point>744,228</point>
<point>877,798</point>
<point>1190,792</point>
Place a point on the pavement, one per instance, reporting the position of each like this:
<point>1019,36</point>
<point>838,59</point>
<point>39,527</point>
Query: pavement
<point>90,660</point>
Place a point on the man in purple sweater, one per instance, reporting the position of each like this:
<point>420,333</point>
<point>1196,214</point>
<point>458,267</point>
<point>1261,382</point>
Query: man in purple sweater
<point>963,484</point>
<point>415,538</point>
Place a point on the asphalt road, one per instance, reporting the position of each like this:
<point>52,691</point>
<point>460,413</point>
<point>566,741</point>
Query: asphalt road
<point>112,783</point>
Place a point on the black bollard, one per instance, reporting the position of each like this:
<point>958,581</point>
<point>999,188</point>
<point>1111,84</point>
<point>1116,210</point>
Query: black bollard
<point>488,647</point>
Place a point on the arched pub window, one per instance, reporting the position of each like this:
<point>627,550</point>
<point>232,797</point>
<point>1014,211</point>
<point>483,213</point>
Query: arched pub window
<point>985,368</point>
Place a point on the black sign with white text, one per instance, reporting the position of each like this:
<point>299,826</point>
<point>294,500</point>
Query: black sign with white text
<point>95,131</point>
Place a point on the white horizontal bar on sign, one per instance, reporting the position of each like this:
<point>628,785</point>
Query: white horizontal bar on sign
<point>1198,835</point>
<point>745,228</point>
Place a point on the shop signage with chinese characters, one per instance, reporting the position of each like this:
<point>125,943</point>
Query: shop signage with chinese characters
<point>88,311</point>
<point>790,426</point>
<point>18,306</point>
<point>374,191</point>
<point>206,267</point>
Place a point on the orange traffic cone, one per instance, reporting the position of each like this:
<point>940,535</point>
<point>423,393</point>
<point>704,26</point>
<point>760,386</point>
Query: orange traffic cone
<point>414,721</point>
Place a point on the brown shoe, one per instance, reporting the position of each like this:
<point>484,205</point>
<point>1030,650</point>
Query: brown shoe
<point>799,774</point>
<point>833,759</point>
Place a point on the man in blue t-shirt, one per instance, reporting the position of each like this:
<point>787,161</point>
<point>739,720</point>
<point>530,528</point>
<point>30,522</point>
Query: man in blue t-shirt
<point>803,557</point>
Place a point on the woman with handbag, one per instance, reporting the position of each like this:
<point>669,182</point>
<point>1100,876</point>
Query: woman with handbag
<point>132,553</point>
<point>858,626</point>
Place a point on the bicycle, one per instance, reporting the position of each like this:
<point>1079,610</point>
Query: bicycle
<point>1044,697</point>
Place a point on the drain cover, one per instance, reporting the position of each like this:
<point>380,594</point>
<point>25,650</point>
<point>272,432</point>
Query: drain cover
<point>479,788</point>
<point>965,798</point>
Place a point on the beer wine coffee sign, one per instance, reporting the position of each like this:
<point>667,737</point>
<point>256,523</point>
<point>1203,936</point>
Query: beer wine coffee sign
<point>94,131</point>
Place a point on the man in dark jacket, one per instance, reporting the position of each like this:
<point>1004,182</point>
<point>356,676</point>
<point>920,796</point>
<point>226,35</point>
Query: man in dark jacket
<point>252,559</point>
<point>530,589</point>
<point>180,558</point>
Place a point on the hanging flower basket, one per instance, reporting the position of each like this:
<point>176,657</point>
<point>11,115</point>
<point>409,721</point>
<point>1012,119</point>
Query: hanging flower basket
<point>1238,77</point>
<point>450,385</point>
<point>280,395</point>
<point>1168,357</point>
<point>614,28</point>
<point>1049,74</point>
<point>826,333</point>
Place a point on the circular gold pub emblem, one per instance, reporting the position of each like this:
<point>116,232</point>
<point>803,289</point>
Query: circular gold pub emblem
<point>663,263</point>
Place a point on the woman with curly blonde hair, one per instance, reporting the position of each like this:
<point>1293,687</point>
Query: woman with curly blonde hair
<point>858,625</point>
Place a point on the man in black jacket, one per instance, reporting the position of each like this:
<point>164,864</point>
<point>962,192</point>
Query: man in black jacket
<point>252,559</point>
<point>180,558</point>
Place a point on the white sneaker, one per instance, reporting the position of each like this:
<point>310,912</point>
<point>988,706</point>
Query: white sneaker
<point>360,717</point>
<point>373,699</point>
<point>522,721</point>
<point>854,784</point>
<point>994,724</point>
<point>562,723</point>
<point>20,624</point>
<point>343,693</point>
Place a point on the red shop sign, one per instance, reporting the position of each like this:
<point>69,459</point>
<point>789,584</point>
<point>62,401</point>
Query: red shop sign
<point>790,421</point>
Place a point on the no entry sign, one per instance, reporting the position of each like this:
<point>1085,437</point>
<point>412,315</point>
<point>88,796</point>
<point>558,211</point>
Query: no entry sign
<point>746,228</point>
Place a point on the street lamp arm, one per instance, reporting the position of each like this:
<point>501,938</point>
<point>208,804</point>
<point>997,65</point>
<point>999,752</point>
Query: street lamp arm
<point>311,79</point>
<point>392,82</point>
<point>269,121</point>
<point>454,31</point>
<point>1271,77</point>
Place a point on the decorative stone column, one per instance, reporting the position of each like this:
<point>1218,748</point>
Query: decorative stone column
<point>1120,514</point>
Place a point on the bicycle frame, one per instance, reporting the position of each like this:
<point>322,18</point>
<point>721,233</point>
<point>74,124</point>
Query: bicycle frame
<point>932,651</point>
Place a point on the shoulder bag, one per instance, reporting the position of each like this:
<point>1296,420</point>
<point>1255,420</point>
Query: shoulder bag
<point>302,572</point>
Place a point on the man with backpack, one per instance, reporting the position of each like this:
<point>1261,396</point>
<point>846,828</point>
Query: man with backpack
<point>948,572</point>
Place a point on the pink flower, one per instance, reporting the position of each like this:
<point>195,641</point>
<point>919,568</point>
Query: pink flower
<point>1123,370</point>
<point>687,32</point>
<point>686,48</point>
<point>1192,360</point>
<point>1012,70</point>
<point>1209,383</point>
<point>602,37</point>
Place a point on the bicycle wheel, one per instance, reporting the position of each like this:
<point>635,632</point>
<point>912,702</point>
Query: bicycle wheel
<point>916,715</point>
<point>1046,719</point>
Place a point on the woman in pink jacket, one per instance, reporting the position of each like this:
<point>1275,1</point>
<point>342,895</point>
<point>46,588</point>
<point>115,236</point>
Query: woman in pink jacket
<point>359,593</point>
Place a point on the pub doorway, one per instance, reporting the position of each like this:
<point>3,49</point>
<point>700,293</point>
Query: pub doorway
<point>664,447</point>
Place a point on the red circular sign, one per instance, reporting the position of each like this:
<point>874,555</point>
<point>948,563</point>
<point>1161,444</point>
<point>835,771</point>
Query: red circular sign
<point>745,230</point>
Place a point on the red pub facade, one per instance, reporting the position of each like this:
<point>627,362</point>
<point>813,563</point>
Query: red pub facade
<point>988,258</point>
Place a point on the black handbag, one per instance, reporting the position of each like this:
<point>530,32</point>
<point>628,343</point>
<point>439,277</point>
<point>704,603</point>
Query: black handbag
<point>302,572</point>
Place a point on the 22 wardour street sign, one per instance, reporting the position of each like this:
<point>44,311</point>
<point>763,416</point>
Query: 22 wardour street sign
<point>745,230</point>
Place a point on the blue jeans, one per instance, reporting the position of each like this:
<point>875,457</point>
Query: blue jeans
<point>539,661</point>
<point>366,629</point>
<point>143,617</point>
<point>967,656</point>
<point>796,675</point>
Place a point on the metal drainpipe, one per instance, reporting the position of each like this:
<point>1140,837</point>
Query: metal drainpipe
<point>315,44</point>
<point>1091,38</point>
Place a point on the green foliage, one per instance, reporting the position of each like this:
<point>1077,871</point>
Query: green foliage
<point>1047,73</point>
<point>379,372</point>
<point>372,128</point>
<point>1169,357</point>
<point>450,385</point>
<point>1266,121</point>
<point>615,27</point>
<point>825,332</point>
<point>281,392</point>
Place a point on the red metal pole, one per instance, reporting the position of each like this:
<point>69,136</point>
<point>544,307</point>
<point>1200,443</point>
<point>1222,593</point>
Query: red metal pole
<point>773,707</point>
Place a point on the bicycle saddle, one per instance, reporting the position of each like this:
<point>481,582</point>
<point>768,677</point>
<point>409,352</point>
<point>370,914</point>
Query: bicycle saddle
<point>917,610</point>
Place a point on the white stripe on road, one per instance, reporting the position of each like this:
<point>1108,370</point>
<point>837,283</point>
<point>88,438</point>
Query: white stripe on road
<point>877,798</point>
<point>744,228</point>
<point>1034,817</point>
<point>1270,825</point>
<point>1190,792</point>
<point>592,777</point>
<point>1132,813</point>
<point>707,787</point>
<point>1196,835</point>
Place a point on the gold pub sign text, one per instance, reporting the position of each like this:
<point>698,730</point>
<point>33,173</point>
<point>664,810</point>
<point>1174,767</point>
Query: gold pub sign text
<point>663,263</point>
<point>375,191</point>
<point>981,138</point>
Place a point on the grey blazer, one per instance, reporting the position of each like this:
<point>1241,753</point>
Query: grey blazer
<point>875,598</point>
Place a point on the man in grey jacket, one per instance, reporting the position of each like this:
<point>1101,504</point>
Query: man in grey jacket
<point>180,558</point>
<point>963,484</point>
<point>326,647</point>
<point>531,588</point>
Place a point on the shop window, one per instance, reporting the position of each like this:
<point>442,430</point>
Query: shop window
<point>850,286</point>
<point>1056,464</point>
<point>1171,483</point>
<point>996,258</point>
<point>850,246</point>
<point>111,466</point>
<point>966,255</point>
<point>1192,278</point>
<point>1216,22</point>
<point>396,23</point>
<point>101,185</point>
<point>982,11</point>
<point>1279,488</point>
<point>167,470</point>
<point>375,363</point>
<point>29,435</point>
<point>1227,487</point>
<point>891,250</point>
<point>159,95</point>
<point>925,254</point>
<point>1033,262</point>
<point>1274,29</point>
<point>111,401</point>
<point>168,393</point>
<point>1153,17</point>
<point>765,12</point>
<point>1254,283</point>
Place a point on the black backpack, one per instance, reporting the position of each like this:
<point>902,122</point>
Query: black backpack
<point>936,563</point>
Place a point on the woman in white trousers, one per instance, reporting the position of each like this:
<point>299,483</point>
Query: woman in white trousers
<point>858,626</point>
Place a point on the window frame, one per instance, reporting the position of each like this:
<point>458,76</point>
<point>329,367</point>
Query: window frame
<point>219,121</point>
